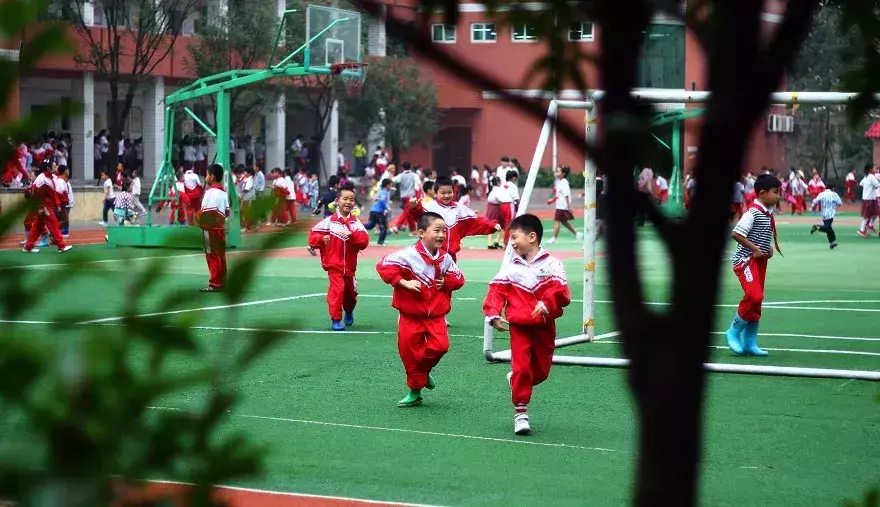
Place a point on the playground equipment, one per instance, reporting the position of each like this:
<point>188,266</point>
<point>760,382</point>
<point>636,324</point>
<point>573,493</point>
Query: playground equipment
<point>588,310</point>
<point>332,46</point>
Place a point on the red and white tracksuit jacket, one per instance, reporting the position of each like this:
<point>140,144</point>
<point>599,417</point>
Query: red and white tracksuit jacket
<point>461,222</point>
<point>43,191</point>
<point>192,186</point>
<point>518,289</point>
<point>339,259</point>
<point>422,336</point>
<point>211,218</point>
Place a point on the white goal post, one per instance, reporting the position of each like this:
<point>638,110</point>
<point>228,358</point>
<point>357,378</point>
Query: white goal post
<point>589,232</point>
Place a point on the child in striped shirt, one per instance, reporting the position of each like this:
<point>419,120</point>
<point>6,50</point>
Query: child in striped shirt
<point>755,234</point>
<point>827,201</point>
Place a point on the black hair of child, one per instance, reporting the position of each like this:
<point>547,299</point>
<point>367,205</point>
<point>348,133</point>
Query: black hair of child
<point>765,183</point>
<point>216,170</point>
<point>428,218</point>
<point>528,223</point>
<point>443,181</point>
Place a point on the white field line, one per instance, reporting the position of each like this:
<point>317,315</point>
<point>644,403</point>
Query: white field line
<point>414,432</point>
<point>206,308</point>
<point>103,261</point>
<point>784,305</point>
<point>811,351</point>
<point>818,337</point>
<point>296,495</point>
<point>598,337</point>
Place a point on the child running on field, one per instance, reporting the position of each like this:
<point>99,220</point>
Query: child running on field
<point>531,291</point>
<point>756,235</point>
<point>562,198</point>
<point>827,201</point>
<point>339,238</point>
<point>423,277</point>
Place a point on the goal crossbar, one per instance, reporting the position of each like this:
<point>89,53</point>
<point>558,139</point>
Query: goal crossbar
<point>589,232</point>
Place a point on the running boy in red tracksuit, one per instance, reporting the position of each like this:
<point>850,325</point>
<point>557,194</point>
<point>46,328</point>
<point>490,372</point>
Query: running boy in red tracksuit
<point>532,291</point>
<point>211,218</point>
<point>756,234</point>
<point>423,277</point>
<point>339,238</point>
<point>43,192</point>
<point>460,221</point>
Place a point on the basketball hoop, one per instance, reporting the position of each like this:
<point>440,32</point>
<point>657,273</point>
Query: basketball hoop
<point>353,76</point>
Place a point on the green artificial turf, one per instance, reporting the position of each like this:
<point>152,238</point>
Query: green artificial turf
<point>324,402</point>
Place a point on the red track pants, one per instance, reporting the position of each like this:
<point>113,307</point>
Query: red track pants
<point>291,210</point>
<point>215,253</point>
<point>421,342</point>
<point>194,202</point>
<point>751,276</point>
<point>45,221</point>
<point>406,216</point>
<point>342,295</point>
<point>531,349</point>
<point>507,217</point>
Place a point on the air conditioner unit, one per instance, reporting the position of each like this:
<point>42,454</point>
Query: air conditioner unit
<point>188,27</point>
<point>780,123</point>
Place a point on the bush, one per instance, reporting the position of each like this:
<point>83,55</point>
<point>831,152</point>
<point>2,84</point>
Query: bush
<point>545,179</point>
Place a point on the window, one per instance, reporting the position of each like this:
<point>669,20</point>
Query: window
<point>663,55</point>
<point>523,33</point>
<point>581,32</point>
<point>443,33</point>
<point>483,32</point>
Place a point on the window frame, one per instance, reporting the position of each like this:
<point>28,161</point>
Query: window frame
<point>525,39</point>
<point>581,24</point>
<point>446,29</point>
<point>485,30</point>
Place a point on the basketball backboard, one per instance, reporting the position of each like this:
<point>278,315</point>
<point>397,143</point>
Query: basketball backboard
<point>340,43</point>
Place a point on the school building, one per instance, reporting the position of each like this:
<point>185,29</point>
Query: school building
<point>478,127</point>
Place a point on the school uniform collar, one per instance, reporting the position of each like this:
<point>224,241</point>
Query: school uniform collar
<point>540,255</point>
<point>760,207</point>
<point>423,250</point>
<point>217,185</point>
<point>339,218</point>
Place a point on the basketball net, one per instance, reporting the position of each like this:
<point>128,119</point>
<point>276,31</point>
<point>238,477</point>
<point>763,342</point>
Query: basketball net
<point>353,76</point>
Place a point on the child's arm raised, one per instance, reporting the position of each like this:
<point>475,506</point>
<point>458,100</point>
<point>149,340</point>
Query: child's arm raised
<point>471,224</point>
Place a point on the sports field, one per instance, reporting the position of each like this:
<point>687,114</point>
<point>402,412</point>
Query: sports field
<point>325,402</point>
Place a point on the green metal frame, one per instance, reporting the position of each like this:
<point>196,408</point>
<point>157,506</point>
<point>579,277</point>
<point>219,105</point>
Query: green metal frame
<point>676,117</point>
<point>218,84</point>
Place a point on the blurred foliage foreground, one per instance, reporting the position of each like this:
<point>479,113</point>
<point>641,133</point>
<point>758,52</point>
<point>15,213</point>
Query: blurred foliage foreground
<point>76,427</point>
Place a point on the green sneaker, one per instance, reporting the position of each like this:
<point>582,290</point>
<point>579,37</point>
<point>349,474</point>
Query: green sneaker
<point>412,399</point>
<point>431,382</point>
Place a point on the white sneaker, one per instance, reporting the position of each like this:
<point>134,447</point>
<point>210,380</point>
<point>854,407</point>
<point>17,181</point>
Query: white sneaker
<point>102,224</point>
<point>32,250</point>
<point>521,424</point>
<point>551,241</point>
<point>22,242</point>
<point>579,236</point>
<point>66,249</point>
<point>510,379</point>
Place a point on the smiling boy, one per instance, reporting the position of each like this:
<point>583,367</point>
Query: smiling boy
<point>424,277</point>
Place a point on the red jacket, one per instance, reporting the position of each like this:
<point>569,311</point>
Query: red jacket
<point>43,190</point>
<point>521,285</point>
<point>415,263</point>
<point>347,237</point>
<point>460,222</point>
